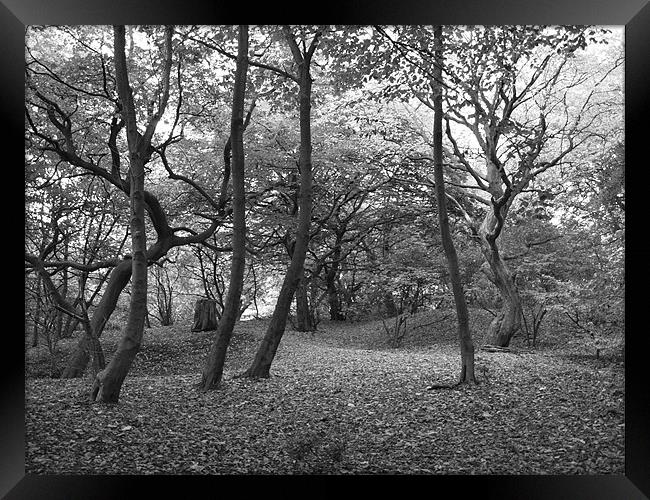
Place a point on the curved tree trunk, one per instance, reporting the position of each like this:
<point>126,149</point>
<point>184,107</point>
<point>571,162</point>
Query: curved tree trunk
<point>213,370</point>
<point>108,382</point>
<point>261,366</point>
<point>63,306</point>
<point>508,320</point>
<point>117,281</point>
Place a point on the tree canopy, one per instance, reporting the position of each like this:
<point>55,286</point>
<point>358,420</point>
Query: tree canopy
<point>333,175</point>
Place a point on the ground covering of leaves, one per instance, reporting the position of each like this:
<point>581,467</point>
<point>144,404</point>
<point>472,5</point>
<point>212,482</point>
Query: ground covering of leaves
<point>339,401</point>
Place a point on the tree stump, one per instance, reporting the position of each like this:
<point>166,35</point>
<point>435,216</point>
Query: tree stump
<point>205,315</point>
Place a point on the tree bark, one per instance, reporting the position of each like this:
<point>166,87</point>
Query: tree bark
<point>119,278</point>
<point>37,313</point>
<point>64,291</point>
<point>261,366</point>
<point>304,315</point>
<point>108,382</point>
<point>508,320</point>
<point>205,315</point>
<point>333,295</point>
<point>63,306</point>
<point>464,335</point>
<point>213,370</point>
<point>334,301</point>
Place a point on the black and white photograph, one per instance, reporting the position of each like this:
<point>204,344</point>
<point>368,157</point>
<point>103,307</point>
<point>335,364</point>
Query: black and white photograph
<point>324,249</point>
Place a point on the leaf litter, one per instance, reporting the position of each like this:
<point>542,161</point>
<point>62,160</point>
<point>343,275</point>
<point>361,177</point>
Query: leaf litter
<point>337,402</point>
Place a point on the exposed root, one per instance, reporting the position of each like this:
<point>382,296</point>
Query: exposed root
<point>496,348</point>
<point>443,386</point>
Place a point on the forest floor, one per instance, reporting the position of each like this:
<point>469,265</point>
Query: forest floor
<point>339,401</point>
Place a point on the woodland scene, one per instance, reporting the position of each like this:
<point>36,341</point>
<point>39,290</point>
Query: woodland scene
<point>327,249</point>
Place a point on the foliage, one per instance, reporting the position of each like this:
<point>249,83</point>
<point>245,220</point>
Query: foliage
<point>545,101</point>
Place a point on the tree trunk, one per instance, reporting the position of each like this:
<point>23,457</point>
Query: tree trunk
<point>70,325</point>
<point>108,382</point>
<point>508,320</point>
<point>304,316</point>
<point>213,370</point>
<point>390,309</point>
<point>64,291</point>
<point>333,295</point>
<point>37,313</point>
<point>147,319</point>
<point>334,301</point>
<point>96,352</point>
<point>464,334</point>
<point>117,281</point>
<point>261,366</point>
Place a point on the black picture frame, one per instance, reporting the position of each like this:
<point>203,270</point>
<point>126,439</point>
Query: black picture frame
<point>634,14</point>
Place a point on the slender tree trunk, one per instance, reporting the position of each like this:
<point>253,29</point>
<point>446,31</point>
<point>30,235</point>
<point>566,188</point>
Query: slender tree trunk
<point>58,325</point>
<point>117,281</point>
<point>96,352</point>
<point>213,369</point>
<point>314,302</point>
<point>64,291</point>
<point>108,382</point>
<point>464,334</point>
<point>37,313</point>
<point>261,366</point>
<point>63,306</point>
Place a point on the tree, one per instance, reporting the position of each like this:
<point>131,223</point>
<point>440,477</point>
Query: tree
<point>464,334</point>
<point>261,365</point>
<point>527,115</point>
<point>305,318</point>
<point>213,370</point>
<point>71,123</point>
<point>108,382</point>
<point>164,296</point>
<point>61,229</point>
<point>513,113</point>
<point>64,306</point>
<point>354,235</point>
